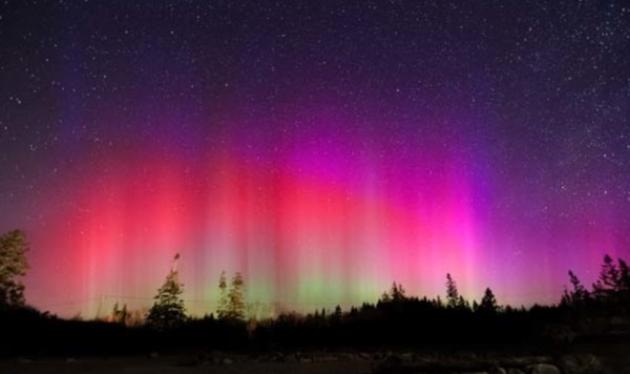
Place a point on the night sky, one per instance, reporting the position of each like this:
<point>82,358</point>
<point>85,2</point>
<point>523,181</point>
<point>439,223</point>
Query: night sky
<point>322,149</point>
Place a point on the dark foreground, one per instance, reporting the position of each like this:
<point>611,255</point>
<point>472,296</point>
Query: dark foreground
<point>609,357</point>
<point>588,332</point>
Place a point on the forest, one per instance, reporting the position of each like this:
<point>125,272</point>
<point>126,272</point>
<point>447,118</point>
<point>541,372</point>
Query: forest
<point>396,320</point>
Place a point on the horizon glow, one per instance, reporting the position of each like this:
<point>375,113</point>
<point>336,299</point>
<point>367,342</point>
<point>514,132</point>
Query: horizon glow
<point>309,227</point>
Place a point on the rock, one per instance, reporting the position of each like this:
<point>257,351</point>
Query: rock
<point>498,370</point>
<point>306,360</point>
<point>583,364</point>
<point>543,369</point>
<point>154,355</point>
<point>71,360</point>
<point>23,360</point>
<point>227,361</point>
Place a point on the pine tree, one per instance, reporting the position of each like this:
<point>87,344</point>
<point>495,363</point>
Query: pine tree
<point>462,303</point>
<point>452,295</point>
<point>488,302</point>
<point>121,316</point>
<point>397,292</point>
<point>624,276</point>
<point>385,298</point>
<point>115,312</point>
<point>236,300</point>
<point>624,285</point>
<point>168,309</point>
<point>222,310</point>
<point>337,313</point>
<point>608,279</point>
<point>13,266</point>
<point>124,315</point>
<point>565,300</point>
<point>578,295</point>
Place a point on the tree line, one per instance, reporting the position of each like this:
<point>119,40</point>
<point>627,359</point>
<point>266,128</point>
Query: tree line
<point>396,318</point>
<point>168,310</point>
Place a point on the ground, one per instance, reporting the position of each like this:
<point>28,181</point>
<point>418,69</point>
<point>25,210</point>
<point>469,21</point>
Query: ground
<point>586,359</point>
<point>171,365</point>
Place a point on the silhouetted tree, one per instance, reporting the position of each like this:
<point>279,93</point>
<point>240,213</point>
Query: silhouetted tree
<point>608,279</point>
<point>397,292</point>
<point>578,295</point>
<point>385,298</point>
<point>168,309</point>
<point>235,299</point>
<point>124,315</point>
<point>624,284</point>
<point>222,309</point>
<point>612,288</point>
<point>624,276</point>
<point>462,303</point>
<point>488,302</point>
<point>354,311</point>
<point>115,311</point>
<point>452,295</point>
<point>337,313</point>
<point>120,315</point>
<point>13,266</point>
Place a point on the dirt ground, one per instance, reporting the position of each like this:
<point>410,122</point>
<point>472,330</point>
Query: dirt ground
<point>591,358</point>
<point>174,365</point>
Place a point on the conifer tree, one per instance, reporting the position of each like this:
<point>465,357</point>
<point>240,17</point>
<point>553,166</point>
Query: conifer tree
<point>222,310</point>
<point>624,276</point>
<point>578,295</point>
<point>121,316</point>
<point>337,313</point>
<point>452,295</point>
<point>488,302</point>
<point>168,309</point>
<point>385,298</point>
<point>462,303</point>
<point>397,292</point>
<point>608,279</point>
<point>236,300</point>
<point>624,284</point>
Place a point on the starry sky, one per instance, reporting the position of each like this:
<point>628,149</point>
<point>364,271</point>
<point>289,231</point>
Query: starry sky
<point>323,149</point>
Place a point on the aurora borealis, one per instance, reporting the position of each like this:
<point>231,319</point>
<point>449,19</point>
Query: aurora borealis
<point>323,150</point>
